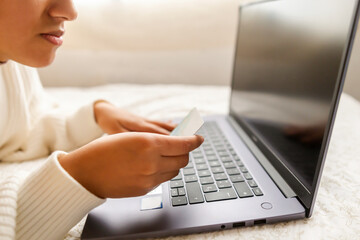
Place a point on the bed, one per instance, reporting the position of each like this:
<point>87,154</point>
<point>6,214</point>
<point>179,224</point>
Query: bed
<point>337,209</point>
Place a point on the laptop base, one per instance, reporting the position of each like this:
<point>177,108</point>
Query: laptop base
<point>124,219</point>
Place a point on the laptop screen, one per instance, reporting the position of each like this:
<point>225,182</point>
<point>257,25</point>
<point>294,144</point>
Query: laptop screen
<point>289,57</point>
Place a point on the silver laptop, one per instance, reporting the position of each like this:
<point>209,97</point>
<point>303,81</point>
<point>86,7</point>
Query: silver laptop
<point>262,163</point>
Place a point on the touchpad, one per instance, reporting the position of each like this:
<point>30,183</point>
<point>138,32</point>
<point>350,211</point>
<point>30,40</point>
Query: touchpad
<point>151,202</point>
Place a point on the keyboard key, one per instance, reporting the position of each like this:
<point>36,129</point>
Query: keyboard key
<point>204,173</point>
<point>217,170</point>
<point>252,183</point>
<point>174,192</point>
<point>229,165</point>
<point>248,176</point>
<point>200,161</point>
<point>178,177</point>
<point>189,171</point>
<point>196,151</point>
<point>206,144</point>
<point>243,169</point>
<point>236,178</point>
<point>190,178</point>
<point>214,164</point>
<point>190,165</point>
<point>206,180</point>
<point>232,171</point>
<point>225,159</point>
<point>209,188</point>
<point>220,176</point>
<point>243,190</point>
<point>201,167</point>
<point>176,184</point>
<point>212,158</point>
<point>179,201</point>
<point>181,191</point>
<point>257,192</point>
<point>207,148</point>
<point>223,154</point>
<point>223,184</point>
<point>240,163</point>
<point>210,152</point>
<point>194,193</point>
<point>222,194</point>
<point>198,156</point>
<point>220,148</point>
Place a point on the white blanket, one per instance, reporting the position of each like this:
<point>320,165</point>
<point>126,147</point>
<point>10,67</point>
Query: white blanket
<point>337,209</point>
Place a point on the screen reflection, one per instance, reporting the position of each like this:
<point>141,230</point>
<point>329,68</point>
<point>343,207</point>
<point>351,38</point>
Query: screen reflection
<point>288,58</point>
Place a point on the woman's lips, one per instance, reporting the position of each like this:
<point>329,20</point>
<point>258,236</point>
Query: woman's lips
<point>55,39</point>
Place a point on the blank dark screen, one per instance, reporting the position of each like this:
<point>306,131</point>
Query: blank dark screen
<point>288,59</point>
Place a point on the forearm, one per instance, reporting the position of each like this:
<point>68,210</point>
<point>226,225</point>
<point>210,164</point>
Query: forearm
<point>54,131</point>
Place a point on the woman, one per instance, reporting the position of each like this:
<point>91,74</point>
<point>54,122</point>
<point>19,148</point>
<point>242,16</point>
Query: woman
<point>53,198</point>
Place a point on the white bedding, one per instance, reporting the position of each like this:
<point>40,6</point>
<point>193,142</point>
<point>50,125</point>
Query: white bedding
<point>337,210</point>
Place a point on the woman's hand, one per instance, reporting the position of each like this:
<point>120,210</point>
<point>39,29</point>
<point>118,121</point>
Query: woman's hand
<point>128,164</point>
<point>115,120</point>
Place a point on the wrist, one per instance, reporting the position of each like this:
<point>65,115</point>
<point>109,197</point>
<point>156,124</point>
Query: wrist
<point>70,164</point>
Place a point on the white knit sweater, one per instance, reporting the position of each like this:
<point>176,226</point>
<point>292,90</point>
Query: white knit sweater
<point>49,201</point>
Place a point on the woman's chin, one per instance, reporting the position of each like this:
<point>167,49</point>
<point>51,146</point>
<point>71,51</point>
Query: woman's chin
<point>44,63</point>
<point>38,61</point>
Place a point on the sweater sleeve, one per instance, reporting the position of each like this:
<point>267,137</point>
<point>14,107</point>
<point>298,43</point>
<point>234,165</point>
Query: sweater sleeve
<point>51,202</point>
<point>44,205</point>
<point>47,127</point>
<point>9,187</point>
<point>54,131</point>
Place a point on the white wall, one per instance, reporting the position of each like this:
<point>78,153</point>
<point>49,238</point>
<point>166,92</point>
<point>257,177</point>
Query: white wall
<point>155,41</point>
<point>147,41</point>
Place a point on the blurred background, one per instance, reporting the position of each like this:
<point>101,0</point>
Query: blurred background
<point>155,41</point>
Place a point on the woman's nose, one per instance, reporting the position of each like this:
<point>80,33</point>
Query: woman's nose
<point>63,9</point>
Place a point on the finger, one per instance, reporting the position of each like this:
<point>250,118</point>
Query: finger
<point>117,128</point>
<point>173,163</point>
<point>167,125</point>
<point>152,128</point>
<point>166,176</point>
<point>179,145</point>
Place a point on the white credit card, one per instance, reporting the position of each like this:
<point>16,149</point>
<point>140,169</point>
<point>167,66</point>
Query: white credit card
<point>189,125</point>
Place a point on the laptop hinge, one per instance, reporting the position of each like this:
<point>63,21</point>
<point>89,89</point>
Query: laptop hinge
<point>273,173</point>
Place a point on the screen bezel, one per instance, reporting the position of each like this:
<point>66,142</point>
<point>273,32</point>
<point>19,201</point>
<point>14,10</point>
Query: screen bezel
<point>306,196</point>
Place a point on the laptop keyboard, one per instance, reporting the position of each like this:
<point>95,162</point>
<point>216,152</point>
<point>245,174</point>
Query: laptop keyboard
<point>214,173</point>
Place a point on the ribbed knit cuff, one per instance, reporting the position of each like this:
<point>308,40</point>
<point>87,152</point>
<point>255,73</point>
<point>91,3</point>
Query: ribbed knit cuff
<point>51,202</point>
<point>8,194</point>
<point>82,125</point>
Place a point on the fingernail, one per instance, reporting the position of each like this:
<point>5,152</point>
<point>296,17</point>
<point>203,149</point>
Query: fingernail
<point>201,137</point>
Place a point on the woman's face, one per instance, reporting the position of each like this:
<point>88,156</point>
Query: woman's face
<point>31,30</point>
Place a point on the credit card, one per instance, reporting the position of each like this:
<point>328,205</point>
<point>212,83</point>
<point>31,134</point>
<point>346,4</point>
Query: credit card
<point>189,125</point>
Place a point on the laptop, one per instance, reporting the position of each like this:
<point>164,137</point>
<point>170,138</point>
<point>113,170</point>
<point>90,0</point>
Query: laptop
<point>262,162</point>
